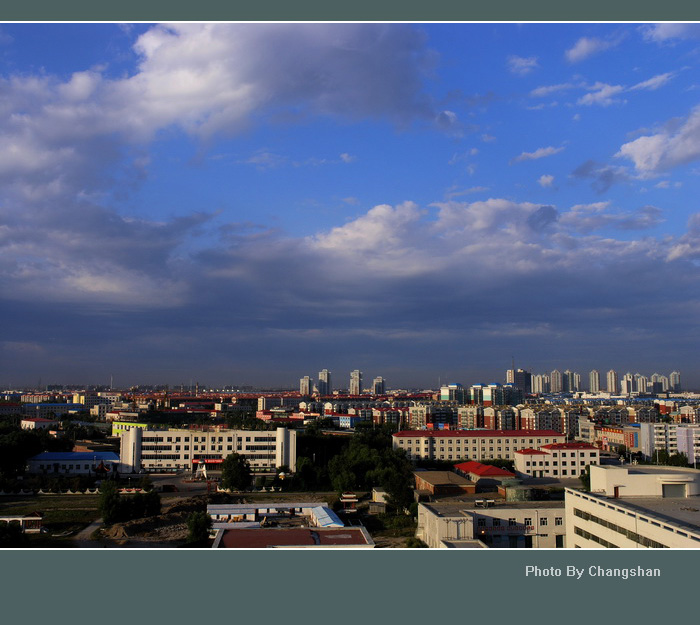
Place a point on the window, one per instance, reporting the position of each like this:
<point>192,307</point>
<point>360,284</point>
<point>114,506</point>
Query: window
<point>558,521</point>
<point>511,521</point>
<point>481,522</point>
<point>528,521</point>
<point>496,523</point>
<point>543,521</point>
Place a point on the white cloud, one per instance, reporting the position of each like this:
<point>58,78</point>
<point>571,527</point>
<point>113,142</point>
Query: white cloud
<point>667,31</point>
<point>666,149</point>
<point>601,94</point>
<point>586,47</point>
<point>521,65</point>
<point>546,180</point>
<point>544,91</point>
<point>347,158</point>
<point>537,154</point>
<point>654,83</point>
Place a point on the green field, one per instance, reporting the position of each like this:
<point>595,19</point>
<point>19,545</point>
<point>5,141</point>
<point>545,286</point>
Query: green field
<point>62,513</point>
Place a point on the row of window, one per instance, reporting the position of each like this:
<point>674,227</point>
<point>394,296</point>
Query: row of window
<point>498,441</point>
<point>596,539</point>
<point>563,463</point>
<point>633,536</point>
<point>527,521</point>
<point>202,439</point>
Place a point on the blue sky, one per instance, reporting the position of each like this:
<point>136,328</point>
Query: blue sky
<point>248,204</point>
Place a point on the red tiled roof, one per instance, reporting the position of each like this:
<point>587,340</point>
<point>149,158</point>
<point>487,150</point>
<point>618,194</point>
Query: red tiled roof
<point>484,470</point>
<point>476,433</point>
<point>531,452</point>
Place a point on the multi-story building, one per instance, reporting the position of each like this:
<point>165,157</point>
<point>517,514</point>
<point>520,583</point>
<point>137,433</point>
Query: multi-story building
<point>184,449</point>
<point>613,382</point>
<point>635,506</point>
<point>594,381</point>
<point>670,437</point>
<point>378,386</point>
<point>452,392</point>
<point>540,383</point>
<point>324,386</point>
<point>478,521</point>
<point>432,416</point>
<point>305,386</point>
<point>556,383</point>
<point>558,460</point>
<point>674,381</point>
<point>520,379</point>
<point>477,445</point>
<point>470,417</point>
<point>356,382</point>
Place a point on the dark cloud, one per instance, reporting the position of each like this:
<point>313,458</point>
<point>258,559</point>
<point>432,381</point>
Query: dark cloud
<point>603,176</point>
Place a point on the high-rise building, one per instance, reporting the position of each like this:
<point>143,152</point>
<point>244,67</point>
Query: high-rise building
<point>640,383</point>
<point>675,381</point>
<point>540,383</point>
<point>378,386</point>
<point>325,387</point>
<point>613,382</point>
<point>555,382</point>
<point>356,382</point>
<point>594,381</point>
<point>627,384</point>
<point>305,385</point>
<point>453,392</point>
<point>577,382</point>
<point>520,378</point>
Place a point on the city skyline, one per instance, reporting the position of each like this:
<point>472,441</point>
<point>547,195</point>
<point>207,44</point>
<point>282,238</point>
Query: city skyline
<point>225,202</point>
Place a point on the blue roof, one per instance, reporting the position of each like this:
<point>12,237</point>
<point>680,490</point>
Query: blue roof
<point>76,456</point>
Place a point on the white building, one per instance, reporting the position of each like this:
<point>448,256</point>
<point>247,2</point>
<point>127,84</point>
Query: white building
<point>356,382</point>
<point>471,444</point>
<point>179,449</point>
<point>635,506</point>
<point>493,522</point>
<point>559,460</point>
<point>324,386</point>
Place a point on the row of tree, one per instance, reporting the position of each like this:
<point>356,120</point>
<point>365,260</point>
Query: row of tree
<point>115,507</point>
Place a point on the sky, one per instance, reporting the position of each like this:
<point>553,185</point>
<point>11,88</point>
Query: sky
<point>246,204</point>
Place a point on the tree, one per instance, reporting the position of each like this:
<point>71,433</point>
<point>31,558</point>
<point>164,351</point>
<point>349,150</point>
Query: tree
<point>11,534</point>
<point>109,504</point>
<point>415,543</point>
<point>198,526</point>
<point>235,472</point>
<point>585,478</point>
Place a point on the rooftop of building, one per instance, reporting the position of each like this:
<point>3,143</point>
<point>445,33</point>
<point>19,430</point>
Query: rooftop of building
<point>653,469</point>
<point>530,452</point>
<point>482,470</point>
<point>294,537</point>
<point>683,512</point>
<point>475,433</point>
<point>440,478</point>
<point>485,502</point>
<point>570,446</point>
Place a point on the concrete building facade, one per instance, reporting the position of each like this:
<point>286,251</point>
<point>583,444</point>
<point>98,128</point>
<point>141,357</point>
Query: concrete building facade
<point>179,449</point>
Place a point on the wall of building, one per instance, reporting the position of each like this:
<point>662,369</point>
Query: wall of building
<point>594,522</point>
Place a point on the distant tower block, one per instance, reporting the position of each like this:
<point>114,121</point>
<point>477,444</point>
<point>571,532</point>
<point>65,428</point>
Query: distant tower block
<point>325,386</point>
<point>356,382</point>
